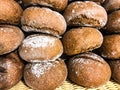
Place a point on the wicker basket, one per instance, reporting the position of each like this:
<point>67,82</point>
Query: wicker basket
<point>67,85</point>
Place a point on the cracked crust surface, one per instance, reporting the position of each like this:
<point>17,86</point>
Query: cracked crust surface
<point>86,13</point>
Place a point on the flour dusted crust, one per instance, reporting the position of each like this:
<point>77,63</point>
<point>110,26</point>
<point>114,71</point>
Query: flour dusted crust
<point>113,24</point>
<point>110,48</point>
<point>86,13</point>
<point>40,47</point>
<point>10,38</point>
<point>45,75</point>
<point>79,40</point>
<point>111,5</point>
<point>11,69</point>
<point>43,20</point>
<point>88,70</point>
<point>58,5</point>
<point>10,12</point>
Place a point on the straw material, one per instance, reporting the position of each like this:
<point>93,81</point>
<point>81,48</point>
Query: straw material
<point>67,85</point>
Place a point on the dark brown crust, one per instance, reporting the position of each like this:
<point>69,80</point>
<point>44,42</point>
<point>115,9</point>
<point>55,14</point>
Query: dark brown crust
<point>10,12</point>
<point>58,5</point>
<point>50,79</point>
<point>88,70</point>
<point>41,47</point>
<point>86,13</point>
<point>113,24</point>
<point>38,19</point>
<point>79,40</point>
<point>115,68</point>
<point>111,5</point>
<point>110,47</point>
<point>10,38</point>
<point>11,69</point>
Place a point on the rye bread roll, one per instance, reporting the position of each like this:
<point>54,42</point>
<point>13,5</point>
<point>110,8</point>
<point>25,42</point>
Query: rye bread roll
<point>45,75</point>
<point>110,48</point>
<point>11,69</point>
<point>88,70</point>
<point>113,24</point>
<point>111,5</point>
<point>58,5</point>
<point>40,47</point>
<point>10,38</point>
<point>115,68</point>
<point>79,40</point>
<point>10,12</point>
<point>36,19</point>
<point>85,13</point>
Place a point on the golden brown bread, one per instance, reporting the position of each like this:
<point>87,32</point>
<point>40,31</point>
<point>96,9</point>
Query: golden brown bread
<point>79,40</point>
<point>10,38</point>
<point>88,70</point>
<point>111,47</point>
<point>85,13</point>
<point>10,12</point>
<point>45,75</point>
<point>36,19</point>
<point>40,47</point>
<point>11,69</point>
<point>58,5</point>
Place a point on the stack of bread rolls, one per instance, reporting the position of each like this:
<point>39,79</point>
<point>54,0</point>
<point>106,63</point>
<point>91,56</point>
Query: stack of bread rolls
<point>42,48</point>
<point>38,36</point>
<point>85,19</point>
<point>11,36</point>
<point>110,48</point>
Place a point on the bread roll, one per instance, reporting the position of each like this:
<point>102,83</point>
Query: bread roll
<point>36,19</point>
<point>110,47</point>
<point>10,12</point>
<point>86,13</point>
<point>58,5</point>
<point>40,47</point>
<point>11,69</point>
<point>113,24</point>
<point>10,38</point>
<point>111,5</point>
<point>45,75</point>
<point>115,68</point>
<point>79,40</point>
<point>88,70</point>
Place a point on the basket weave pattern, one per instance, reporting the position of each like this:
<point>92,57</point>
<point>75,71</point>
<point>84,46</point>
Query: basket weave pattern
<point>67,85</point>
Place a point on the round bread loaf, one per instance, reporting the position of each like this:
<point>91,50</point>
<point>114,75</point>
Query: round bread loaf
<point>115,68</point>
<point>79,40</point>
<point>86,13</point>
<point>111,5</point>
<point>45,75</point>
<point>11,69</point>
<point>113,24</point>
<point>36,48</point>
<point>10,38</point>
<point>58,5</point>
<point>10,12</point>
<point>111,47</point>
<point>88,70</point>
<point>43,20</point>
